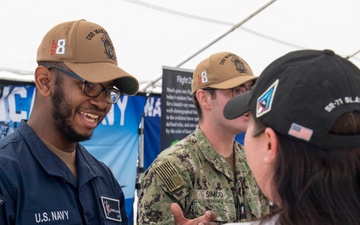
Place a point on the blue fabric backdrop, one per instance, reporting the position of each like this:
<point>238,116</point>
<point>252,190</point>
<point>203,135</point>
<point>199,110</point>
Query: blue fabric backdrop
<point>152,122</point>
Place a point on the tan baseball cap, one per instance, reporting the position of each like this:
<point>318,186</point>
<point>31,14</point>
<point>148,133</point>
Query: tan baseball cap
<point>87,50</point>
<point>222,70</point>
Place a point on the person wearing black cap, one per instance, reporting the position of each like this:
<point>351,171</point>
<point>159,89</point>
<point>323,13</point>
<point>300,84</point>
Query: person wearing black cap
<point>303,138</point>
<point>46,176</point>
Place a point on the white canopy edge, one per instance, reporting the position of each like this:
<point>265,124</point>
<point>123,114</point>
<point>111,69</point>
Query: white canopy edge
<point>16,75</point>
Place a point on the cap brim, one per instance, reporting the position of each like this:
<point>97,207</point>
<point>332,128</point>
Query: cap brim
<point>233,82</point>
<point>104,72</point>
<point>237,106</point>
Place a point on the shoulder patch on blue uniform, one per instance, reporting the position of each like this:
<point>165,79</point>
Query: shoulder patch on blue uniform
<point>112,209</point>
<point>169,176</point>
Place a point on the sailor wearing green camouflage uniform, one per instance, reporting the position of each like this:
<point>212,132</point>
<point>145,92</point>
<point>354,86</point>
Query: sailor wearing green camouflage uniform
<point>194,174</point>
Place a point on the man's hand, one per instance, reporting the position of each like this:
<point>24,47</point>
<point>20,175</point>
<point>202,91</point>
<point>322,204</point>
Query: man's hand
<point>206,219</point>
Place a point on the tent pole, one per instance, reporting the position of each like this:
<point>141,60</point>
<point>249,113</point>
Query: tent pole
<point>352,55</point>
<point>214,41</point>
<point>228,32</point>
<point>140,168</point>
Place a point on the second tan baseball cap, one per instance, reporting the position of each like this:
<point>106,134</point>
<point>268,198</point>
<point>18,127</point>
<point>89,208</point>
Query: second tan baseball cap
<point>221,70</point>
<point>87,49</point>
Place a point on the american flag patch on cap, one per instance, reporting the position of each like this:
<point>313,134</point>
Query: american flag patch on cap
<point>300,132</point>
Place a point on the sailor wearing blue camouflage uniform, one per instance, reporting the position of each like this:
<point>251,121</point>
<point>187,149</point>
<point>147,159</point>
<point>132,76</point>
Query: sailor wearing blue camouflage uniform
<point>197,173</point>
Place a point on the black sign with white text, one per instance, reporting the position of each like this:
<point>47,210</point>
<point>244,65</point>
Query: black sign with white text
<point>178,114</point>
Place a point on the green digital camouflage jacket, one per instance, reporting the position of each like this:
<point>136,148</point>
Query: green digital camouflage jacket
<point>192,174</point>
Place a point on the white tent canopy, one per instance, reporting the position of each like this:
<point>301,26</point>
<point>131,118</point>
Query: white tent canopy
<point>180,33</point>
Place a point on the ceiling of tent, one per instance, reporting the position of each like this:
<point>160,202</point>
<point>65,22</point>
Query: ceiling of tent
<point>180,33</point>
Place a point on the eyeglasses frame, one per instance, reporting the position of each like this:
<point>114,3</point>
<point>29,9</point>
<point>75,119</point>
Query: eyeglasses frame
<point>84,82</point>
<point>233,93</point>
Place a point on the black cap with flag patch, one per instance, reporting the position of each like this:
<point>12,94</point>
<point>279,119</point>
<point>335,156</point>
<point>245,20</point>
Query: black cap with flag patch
<point>301,94</point>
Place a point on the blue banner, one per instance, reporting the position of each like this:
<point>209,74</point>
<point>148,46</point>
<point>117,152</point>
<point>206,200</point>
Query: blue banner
<point>15,105</point>
<point>240,138</point>
<point>152,122</point>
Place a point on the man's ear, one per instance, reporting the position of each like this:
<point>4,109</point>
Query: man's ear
<point>203,98</point>
<point>272,145</point>
<point>43,80</point>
